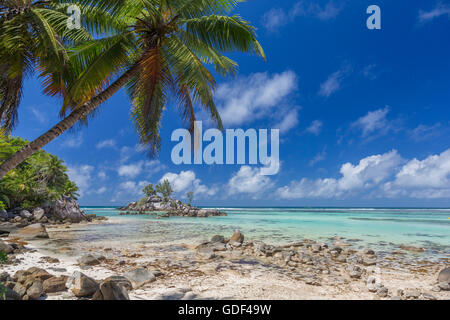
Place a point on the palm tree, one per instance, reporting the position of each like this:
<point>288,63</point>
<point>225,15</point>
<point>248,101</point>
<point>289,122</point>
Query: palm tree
<point>33,35</point>
<point>157,49</point>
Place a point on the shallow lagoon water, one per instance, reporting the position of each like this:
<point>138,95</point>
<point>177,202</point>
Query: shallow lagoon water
<point>384,229</point>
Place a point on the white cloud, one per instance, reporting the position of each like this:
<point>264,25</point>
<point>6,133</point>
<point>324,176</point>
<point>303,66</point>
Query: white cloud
<point>374,122</point>
<point>424,132</point>
<point>368,173</point>
<point>186,181</point>
<point>102,190</point>
<point>250,181</point>
<point>428,178</point>
<point>382,176</point>
<point>276,18</point>
<point>289,121</point>
<point>134,169</point>
<point>439,10</point>
<point>318,158</point>
<point>130,170</point>
<point>82,176</point>
<point>133,188</point>
<point>306,8</point>
<point>247,99</point>
<point>111,143</point>
<point>332,84</point>
<point>40,116</point>
<point>315,127</point>
<point>74,141</point>
<point>102,175</point>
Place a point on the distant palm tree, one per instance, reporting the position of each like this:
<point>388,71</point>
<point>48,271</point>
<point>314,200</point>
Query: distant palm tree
<point>156,48</point>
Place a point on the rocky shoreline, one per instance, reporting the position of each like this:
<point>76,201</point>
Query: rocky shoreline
<point>169,207</point>
<point>63,211</point>
<point>220,268</point>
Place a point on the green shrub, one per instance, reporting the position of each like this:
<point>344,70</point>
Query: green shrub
<point>3,257</point>
<point>2,205</point>
<point>39,178</point>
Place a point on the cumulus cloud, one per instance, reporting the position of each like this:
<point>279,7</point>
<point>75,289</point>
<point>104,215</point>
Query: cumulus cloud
<point>111,143</point>
<point>82,176</point>
<point>247,99</point>
<point>249,180</point>
<point>428,178</point>
<point>276,17</point>
<point>384,176</point>
<point>368,173</point>
<point>439,10</point>
<point>315,127</point>
<point>186,181</point>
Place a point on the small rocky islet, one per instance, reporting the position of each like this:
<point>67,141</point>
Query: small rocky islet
<point>137,271</point>
<point>168,207</point>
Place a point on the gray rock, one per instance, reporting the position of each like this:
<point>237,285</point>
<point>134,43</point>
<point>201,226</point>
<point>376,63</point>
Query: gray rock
<point>412,294</point>
<point>5,247</point>
<point>121,280</point>
<point>382,292</point>
<point>66,209</point>
<point>368,251</point>
<point>25,214</point>
<point>428,296</point>
<point>82,285</point>
<point>20,289</point>
<point>444,275</point>
<point>38,213</point>
<point>4,276</point>
<point>112,290</point>
<point>206,253</point>
<point>35,291</point>
<point>218,238</point>
<point>9,293</point>
<point>88,260</point>
<point>139,277</point>
<point>33,231</point>
<point>445,286</point>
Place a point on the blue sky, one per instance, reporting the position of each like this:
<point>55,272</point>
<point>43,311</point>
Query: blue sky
<point>364,115</point>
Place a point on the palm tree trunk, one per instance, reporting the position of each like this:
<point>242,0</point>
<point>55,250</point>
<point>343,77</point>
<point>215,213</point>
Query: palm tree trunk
<point>66,123</point>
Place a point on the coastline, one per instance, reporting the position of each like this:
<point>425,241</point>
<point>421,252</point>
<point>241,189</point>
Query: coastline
<point>247,270</point>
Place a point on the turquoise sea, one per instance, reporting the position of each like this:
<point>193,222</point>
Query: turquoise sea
<point>384,229</point>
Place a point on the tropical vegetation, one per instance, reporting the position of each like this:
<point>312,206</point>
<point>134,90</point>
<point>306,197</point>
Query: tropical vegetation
<point>39,178</point>
<point>164,188</point>
<point>158,49</point>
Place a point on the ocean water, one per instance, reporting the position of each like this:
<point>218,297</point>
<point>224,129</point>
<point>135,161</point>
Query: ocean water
<point>382,229</point>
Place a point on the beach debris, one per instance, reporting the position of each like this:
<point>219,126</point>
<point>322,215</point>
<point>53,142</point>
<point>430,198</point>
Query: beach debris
<point>33,231</point>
